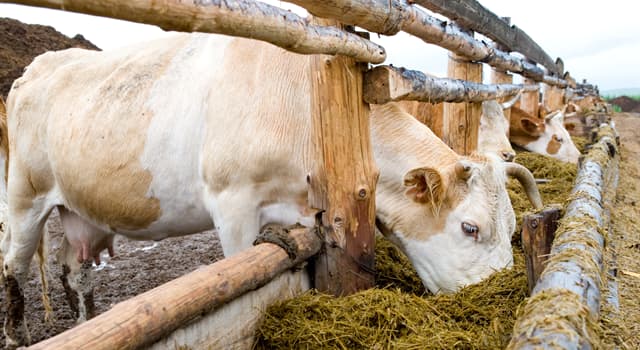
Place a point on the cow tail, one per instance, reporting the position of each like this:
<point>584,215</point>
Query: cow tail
<point>42,264</point>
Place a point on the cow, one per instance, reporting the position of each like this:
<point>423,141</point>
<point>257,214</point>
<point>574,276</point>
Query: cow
<point>547,136</point>
<point>493,139</point>
<point>196,131</point>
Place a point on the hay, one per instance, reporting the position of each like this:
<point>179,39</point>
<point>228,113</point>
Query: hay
<point>394,270</point>
<point>478,317</point>
<point>400,314</point>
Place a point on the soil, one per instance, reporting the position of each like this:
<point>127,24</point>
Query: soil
<point>626,227</point>
<point>21,43</point>
<point>626,104</point>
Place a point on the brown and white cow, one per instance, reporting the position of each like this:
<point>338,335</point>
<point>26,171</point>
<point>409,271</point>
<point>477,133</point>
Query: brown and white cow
<point>547,136</point>
<point>170,137</point>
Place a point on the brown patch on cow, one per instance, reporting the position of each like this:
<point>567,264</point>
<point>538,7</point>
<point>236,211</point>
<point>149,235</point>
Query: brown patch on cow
<point>523,128</point>
<point>97,140</point>
<point>554,145</point>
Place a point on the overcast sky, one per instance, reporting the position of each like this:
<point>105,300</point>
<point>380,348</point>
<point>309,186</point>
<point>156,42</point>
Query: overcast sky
<point>599,41</point>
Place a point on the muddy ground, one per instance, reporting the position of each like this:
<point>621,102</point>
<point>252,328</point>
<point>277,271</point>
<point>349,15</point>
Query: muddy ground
<point>135,268</point>
<point>626,224</point>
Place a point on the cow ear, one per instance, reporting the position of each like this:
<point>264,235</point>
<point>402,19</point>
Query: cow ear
<point>530,127</point>
<point>425,186</point>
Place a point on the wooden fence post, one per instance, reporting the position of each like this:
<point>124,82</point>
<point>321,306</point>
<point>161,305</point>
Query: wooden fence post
<point>461,121</point>
<point>499,76</point>
<point>530,100</point>
<point>344,175</point>
<point>538,232</point>
<point>553,96</point>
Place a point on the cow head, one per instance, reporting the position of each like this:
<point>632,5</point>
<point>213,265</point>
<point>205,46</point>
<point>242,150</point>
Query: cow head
<point>547,136</point>
<point>457,220</point>
<point>493,135</point>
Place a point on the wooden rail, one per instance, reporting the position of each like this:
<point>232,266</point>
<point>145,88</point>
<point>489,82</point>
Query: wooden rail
<point>390,16</point>
<point>243,18</point>
<point>472,15</point>
<point>384,84</point>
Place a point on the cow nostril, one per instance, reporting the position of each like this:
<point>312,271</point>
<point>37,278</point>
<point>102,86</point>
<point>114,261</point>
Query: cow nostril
<point>508,156</point>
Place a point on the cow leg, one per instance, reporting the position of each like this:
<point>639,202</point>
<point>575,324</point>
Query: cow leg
<point>81,246</point>
<point>77,280</point>
<point>236,219</point>
<point>19,246</point>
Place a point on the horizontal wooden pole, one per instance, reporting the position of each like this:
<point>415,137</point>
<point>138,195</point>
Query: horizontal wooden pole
<point>554,81</point>
<point>243,18</point>
<point>384,84</point>
<point>390,16</point>
<point>572,275</point>
<point>146,318</point>
<point>472,15</point>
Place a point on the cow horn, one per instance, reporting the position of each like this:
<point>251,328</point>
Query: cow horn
<point>463,170</point>
<point>511,102</point>
<point>525,177</point>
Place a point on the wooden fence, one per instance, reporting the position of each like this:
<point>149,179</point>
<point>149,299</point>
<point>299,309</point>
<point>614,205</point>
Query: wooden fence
<point>343,183</point>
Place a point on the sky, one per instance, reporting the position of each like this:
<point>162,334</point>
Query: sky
<point>596,42</point>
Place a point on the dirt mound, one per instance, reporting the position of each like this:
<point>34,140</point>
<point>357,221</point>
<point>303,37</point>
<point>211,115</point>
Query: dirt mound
<point>21,43</point>
<point>627,104</point>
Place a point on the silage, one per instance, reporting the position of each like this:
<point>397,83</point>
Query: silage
<point>399,314</point>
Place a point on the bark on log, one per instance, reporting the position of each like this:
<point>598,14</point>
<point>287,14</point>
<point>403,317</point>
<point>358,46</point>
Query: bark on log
<point>461,121</point>
<point>390,16</point>
<point>538,231</point>
<point>565,303</point>
<point>472,15</point>
<point>344,175</point>
<point>384,84</point>
<point>144,319</point>
<point>243,18</point>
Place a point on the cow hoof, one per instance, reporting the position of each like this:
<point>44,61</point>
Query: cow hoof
<point>278,235</point>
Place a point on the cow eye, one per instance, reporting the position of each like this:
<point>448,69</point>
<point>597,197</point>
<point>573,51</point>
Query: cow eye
<point>470,230</point>
<point>557,138</point>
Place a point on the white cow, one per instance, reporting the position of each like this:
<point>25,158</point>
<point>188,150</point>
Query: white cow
<point>493,134</point>
<point>169,137</point>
